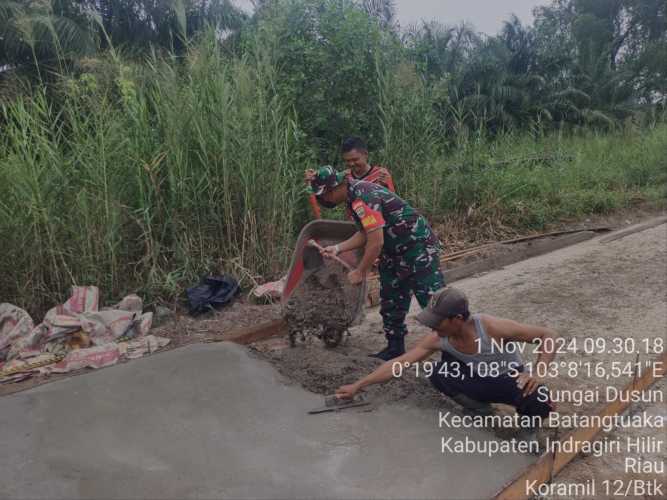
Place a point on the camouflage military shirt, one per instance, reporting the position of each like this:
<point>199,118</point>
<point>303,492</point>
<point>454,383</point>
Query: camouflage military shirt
<point>376,174</point>
<point>374,207</point>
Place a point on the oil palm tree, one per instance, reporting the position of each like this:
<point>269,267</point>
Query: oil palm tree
<point>383,10</point>
<point>36,33</point>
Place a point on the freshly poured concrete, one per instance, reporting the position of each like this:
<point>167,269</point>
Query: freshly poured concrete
<point>210,421</point>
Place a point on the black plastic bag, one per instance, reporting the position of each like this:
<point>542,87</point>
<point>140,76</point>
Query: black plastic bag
<point>212,292</point>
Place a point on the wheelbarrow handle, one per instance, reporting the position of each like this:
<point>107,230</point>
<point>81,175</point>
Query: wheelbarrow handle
<point>315,244</point>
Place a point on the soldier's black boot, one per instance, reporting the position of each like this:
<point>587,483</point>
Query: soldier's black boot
<point>395,348</point>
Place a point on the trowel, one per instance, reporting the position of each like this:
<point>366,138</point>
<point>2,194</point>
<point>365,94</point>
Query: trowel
<point>334,403</point>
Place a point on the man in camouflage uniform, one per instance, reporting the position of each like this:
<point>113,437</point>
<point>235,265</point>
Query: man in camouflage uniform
<point>391,229</point>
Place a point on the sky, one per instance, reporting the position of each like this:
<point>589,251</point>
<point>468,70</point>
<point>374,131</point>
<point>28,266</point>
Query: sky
<point>486,15</point>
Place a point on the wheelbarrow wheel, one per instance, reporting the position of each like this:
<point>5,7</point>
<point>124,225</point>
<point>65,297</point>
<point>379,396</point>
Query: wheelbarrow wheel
<point>332,338</point>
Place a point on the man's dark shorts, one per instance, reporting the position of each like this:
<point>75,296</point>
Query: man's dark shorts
<point>501,389</point>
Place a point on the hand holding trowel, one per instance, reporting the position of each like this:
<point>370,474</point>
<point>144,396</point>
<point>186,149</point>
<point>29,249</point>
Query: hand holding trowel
<point>335,403</point>
<point>347,396</point>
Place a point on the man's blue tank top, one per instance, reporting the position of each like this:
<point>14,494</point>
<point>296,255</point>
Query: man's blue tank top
<point>491,355</point>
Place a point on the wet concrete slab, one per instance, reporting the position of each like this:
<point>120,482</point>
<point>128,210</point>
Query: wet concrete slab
<point>211,421</point>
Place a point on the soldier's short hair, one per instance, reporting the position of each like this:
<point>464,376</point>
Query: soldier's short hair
<point>353,143</point>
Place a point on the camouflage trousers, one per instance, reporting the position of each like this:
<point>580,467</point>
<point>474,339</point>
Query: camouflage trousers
<point>416,272</point>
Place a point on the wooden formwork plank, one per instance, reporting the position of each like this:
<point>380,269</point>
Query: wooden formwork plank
<point>467,251</point>
<point>494,262</point>
<point>550,464</point>
<point>263,331</point>
<point>617,235</point>
<point>498,261</point>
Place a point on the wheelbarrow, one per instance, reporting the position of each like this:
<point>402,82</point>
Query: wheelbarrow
<point>318,296</point>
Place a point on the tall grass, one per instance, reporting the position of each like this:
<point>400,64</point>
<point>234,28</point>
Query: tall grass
<point>140,178</point>
<point>516,179</point>
<point>526,183</point>
<point>174,170</point>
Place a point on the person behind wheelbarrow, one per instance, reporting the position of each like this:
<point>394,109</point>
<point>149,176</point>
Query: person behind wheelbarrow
<point>355,156</point>
<point>388,228</point>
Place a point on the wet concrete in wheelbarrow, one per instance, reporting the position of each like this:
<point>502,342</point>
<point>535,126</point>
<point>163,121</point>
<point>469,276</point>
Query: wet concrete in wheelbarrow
<point>212,421</point>
<point>321,303</point>
<point>324,303</point>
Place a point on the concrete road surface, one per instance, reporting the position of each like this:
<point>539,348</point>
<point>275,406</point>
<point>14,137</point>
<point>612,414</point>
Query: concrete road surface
<point>211,421</point>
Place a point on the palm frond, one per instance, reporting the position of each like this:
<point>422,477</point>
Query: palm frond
<point>595,117</point>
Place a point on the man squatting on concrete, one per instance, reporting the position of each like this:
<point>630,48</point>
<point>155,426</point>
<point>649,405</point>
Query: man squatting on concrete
<point>391,229</point>
<point>465,341</point>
